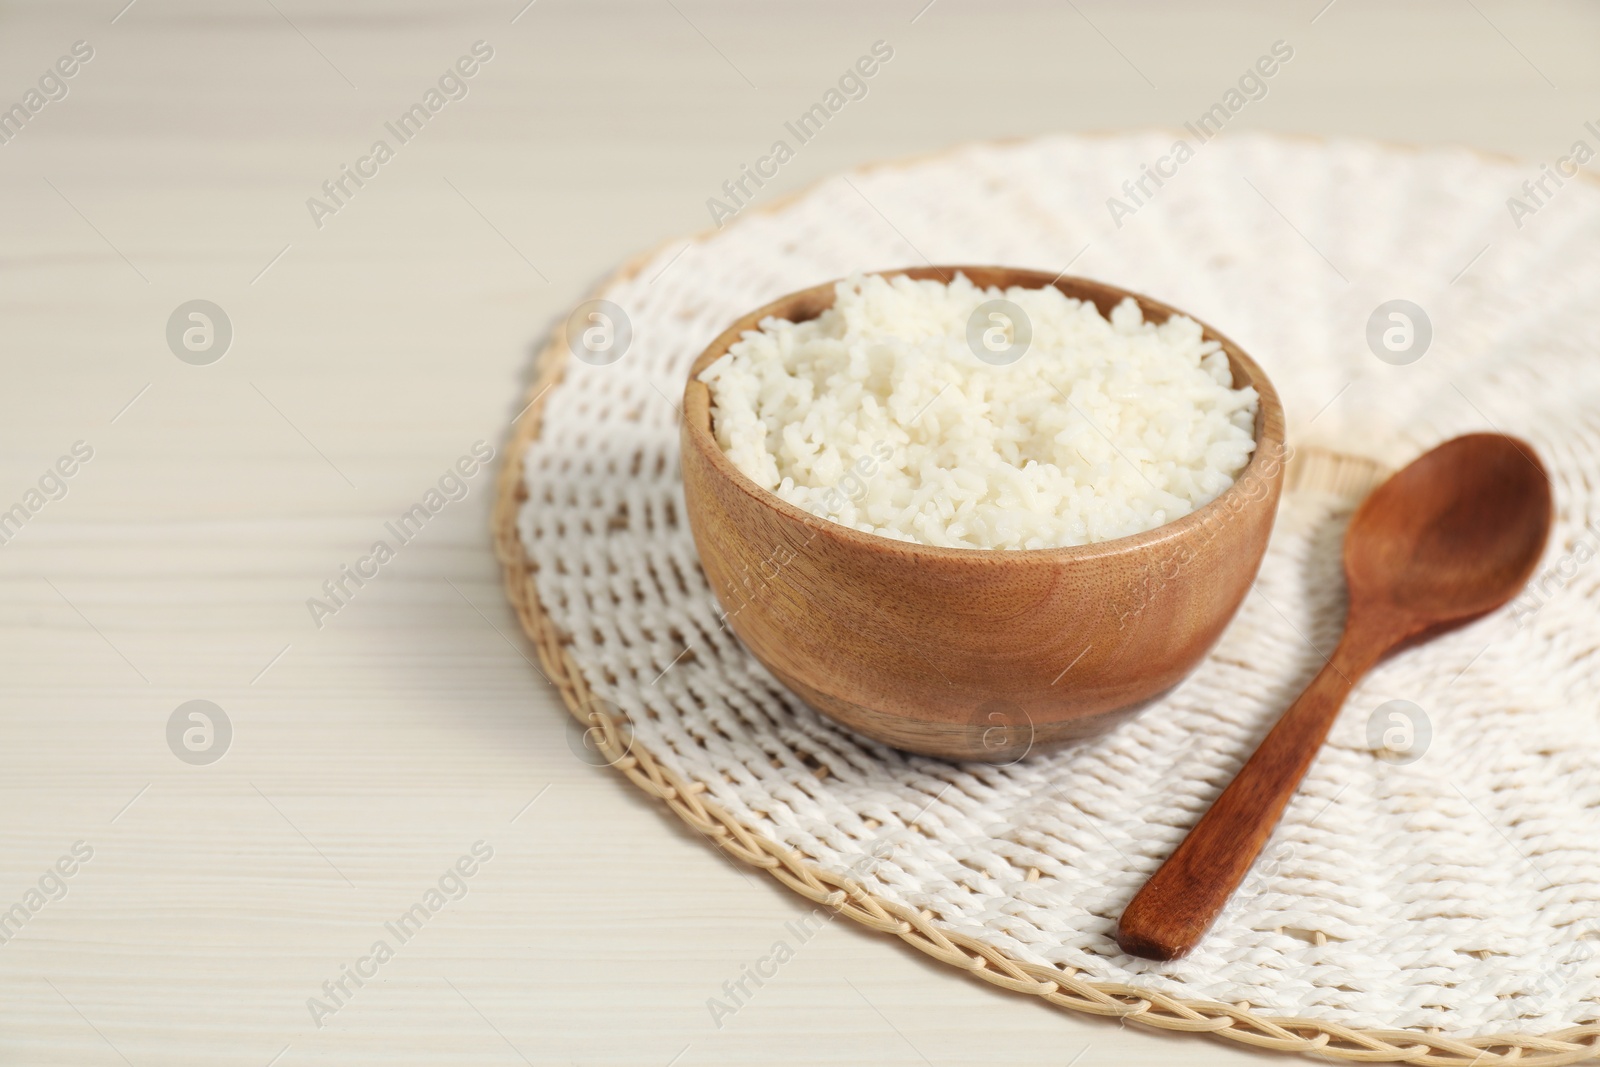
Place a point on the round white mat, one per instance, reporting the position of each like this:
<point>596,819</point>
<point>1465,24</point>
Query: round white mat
<point>1460,891</point>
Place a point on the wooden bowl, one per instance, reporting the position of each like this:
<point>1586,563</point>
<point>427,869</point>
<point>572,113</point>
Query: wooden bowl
<point>974,653</point>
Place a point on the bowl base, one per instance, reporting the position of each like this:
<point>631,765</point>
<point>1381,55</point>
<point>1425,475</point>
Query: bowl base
<point>999,732</point>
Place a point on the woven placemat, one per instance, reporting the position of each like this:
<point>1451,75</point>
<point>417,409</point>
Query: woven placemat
<point>1435,905</point>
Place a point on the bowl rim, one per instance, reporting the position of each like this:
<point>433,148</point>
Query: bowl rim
<point>1270,429</point>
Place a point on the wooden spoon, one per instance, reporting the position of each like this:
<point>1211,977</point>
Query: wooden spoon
<point>1448,539</point>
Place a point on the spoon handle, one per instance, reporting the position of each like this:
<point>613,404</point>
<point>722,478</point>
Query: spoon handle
<point>1177,906</point>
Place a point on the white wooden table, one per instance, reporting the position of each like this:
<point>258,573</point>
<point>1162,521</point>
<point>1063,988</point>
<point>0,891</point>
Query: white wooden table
<point>367,354</point>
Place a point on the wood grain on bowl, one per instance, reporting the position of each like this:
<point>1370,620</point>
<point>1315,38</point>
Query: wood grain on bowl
<point>972,653</point>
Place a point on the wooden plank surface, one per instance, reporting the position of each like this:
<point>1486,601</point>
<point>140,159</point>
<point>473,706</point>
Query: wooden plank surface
<point>370,754</point>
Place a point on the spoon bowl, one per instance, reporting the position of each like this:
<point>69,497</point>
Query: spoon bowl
<point>1452,536</point>
<point>1448,539</point>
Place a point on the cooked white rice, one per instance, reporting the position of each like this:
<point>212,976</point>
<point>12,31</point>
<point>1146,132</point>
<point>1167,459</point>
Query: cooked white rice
<point>879,416</point>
